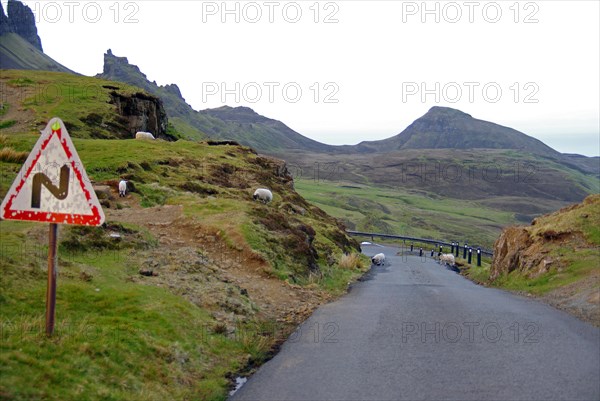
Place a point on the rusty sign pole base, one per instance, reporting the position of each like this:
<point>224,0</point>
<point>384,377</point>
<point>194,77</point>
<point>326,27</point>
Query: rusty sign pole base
<point>52,274</point>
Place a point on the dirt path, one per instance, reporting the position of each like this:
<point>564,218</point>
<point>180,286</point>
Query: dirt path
<point>25,119</point>
<point>275,299</point>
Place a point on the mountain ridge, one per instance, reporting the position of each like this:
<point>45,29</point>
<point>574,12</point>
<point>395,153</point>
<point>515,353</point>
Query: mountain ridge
<point>240,124</point>
<point>439,128</point>
<point>448,128</point>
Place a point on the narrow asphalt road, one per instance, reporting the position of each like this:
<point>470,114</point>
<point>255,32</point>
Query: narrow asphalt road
<point>413,330</point>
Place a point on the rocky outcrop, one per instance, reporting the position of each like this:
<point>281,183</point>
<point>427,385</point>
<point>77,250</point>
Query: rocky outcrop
<point>19,19</point>
<point>557,256</point>
<point>511,252</point>
<point>141,112</point>
<point>174,90</point>
<point>118,69</point>
<point>532,249</point>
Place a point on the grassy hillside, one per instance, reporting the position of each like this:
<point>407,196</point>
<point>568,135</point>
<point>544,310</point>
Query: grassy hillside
<point>441,194</point>
<point>499,181</point>
<point>17,53</point>
<point>405,212</point>
<point>31,98</point>
<point>189,281</point>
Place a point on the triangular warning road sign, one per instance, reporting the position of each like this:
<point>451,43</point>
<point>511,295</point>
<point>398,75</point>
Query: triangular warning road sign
<point>52,186</point>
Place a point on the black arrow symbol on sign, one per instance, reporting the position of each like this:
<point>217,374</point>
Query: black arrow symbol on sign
<point>59,192</point>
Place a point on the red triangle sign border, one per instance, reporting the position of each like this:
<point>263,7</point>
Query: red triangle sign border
<point>59,217</point>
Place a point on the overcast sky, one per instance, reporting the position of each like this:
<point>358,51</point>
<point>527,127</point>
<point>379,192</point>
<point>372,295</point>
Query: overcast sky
<point>345,71</point>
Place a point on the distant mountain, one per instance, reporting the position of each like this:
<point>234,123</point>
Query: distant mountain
<point>590,165</point>
<point>439,128</point>
<point>266,134</point>
<point>447,128</point>
<point>240,124</point>
<point>20,45</point>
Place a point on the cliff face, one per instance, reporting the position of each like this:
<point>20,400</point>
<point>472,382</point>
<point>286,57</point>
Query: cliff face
<point>509,251</point>
<point>141,112</point>
<point>4,28</point>
<point>20,20</point>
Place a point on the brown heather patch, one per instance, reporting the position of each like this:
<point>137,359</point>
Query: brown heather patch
<point>9,155</point>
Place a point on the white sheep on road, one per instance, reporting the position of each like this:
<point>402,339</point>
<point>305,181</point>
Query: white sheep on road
<point>263,194</point>
<point>447,258</point>
<point>378,259</point>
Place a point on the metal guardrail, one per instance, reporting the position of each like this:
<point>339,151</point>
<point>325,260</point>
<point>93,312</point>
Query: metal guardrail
<point>425,240</point>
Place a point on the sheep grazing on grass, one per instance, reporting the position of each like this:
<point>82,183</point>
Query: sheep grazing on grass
<point>143,135</point>
<point>378,259</point>
<point>263,194</point>
<point>122,188</point>
<point>447,258</point>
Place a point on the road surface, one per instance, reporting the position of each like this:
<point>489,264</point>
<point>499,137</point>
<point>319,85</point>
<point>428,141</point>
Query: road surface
<point>413,330</point>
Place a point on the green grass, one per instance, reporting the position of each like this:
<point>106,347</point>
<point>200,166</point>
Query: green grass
<point>585,219</point>
<point>7,124</point>
<point>578,267</point>
<point>336,280</point>
<point>479,274</point>
<point>114,339</point>
<point>185,130</point>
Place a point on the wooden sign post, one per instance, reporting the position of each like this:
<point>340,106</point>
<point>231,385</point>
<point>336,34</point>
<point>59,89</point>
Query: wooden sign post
<point>52,275</point>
